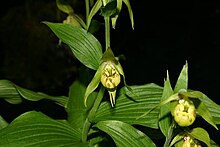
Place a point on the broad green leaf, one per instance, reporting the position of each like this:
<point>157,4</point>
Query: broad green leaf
<point>182,81</point>
<point>165,117</point>
<point>124,135</point>
<point>3,123</point>
<point>127,3</point>
<point>9,93</point>
<point>205,114</point>
<point>201,135</point>
<point>83,44</point>
<point>13,94</point>
<point>129,106</point>
<point>213,108</point>
<point>64,6</point>
<point>36,129</point>
<point>77,112</point>
<point>36,96</point>
<point>94,10</point>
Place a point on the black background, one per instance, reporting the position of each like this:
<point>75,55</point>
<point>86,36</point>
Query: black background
<point>165,36</point>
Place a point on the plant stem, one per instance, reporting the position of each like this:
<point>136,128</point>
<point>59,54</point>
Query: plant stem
<point>91,114</point>
<point>107,32</point>
<point>87,10</point>
<point>96,103</point>
<point>85,130</point>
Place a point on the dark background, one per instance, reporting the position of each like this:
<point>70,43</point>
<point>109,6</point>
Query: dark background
<point>166,35</point>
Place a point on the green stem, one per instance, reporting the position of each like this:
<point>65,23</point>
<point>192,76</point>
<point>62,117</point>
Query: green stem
<point>107,32</point>
<point>170,134</point>
<point>85,130</point>
<point>91,114</point>
<point>87,10</point>
<point>96,103</point>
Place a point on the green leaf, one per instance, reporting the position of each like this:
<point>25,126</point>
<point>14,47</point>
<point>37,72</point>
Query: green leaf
<point>13,94</point>
<point>164,116</point>
<point>129,106</point>
<point>213,144</point>
<point>94,10</point>
<point>209,105</point>
<point>109,9</point>
<point>3,123</point>
<point>36,96</point>
<point>201,135</point>
<point>124,135</point>
<point>95,141</point>
<point>213,108</point>
<point>114,19</point>
<point>177,138</point>
<point>95,26</point>
<point>83,44</point>
<point>93,84</point>
<point>205,114</point>
<point>77,112</point>
<point>9,93</point>
<point>64,6</point>
<point>182,81</point>
<point>127,3</point>
<point>202,107</point>
<point>36,129</point>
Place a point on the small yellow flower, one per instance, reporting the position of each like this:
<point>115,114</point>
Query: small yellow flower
<point>184,113</point>
<point>110,77</point>
<point>190,142</point>
<point>109,74</point>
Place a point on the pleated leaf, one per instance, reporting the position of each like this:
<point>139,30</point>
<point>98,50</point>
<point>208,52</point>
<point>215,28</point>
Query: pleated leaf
<point>131,105</point>
<point>165,117</point>
<point>13,94</point>
<point>36,129</point>
<point>9,93</point>
<point>3,123</point>
<point>125,135</point>
<point>77,112</point>
<point>182,81</point>
<point>83,44</point>
<point>201,135</point>
<point>205,107</point>
<point>213,108</point>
